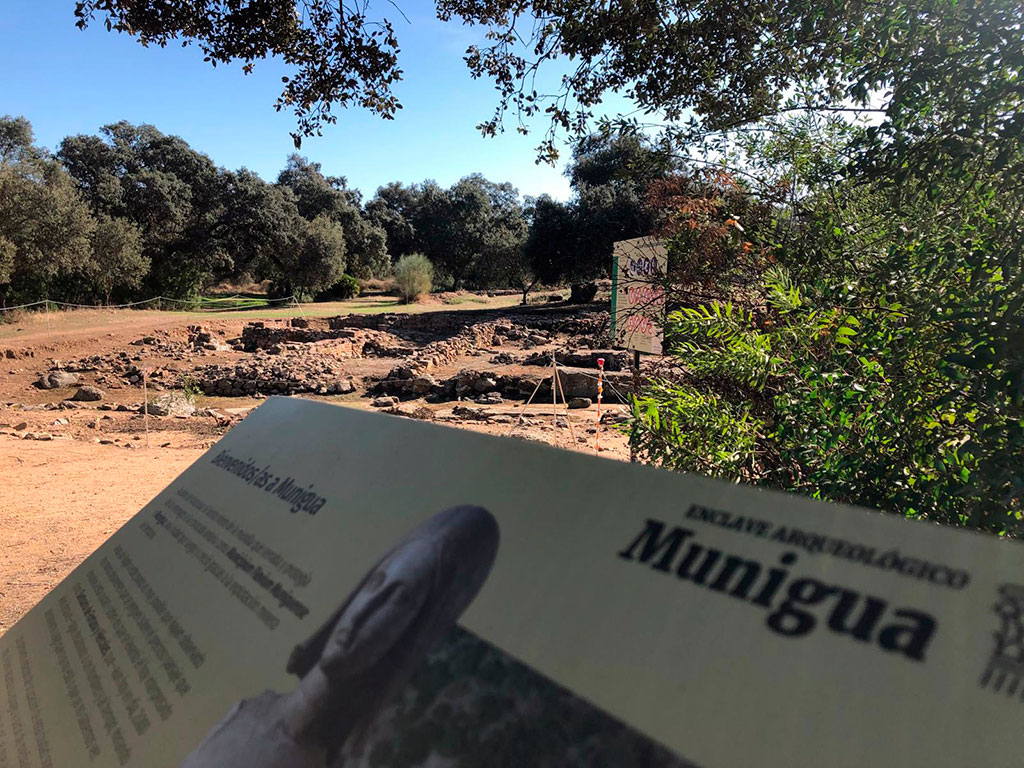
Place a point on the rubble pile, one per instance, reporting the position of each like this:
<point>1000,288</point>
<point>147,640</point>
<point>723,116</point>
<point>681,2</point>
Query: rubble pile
<point>284,373</point>
<point>170,357</point>
<point>490,387</point>
<point>305,356</point>
<point>504,358</point>
<point>614,360</point>
<point>468,341</point>
<point>341,342</point>
<point>201,340</point>
<point>576,322</point>
<point>120,368</point>
<point>467,384</point>
<point>414,376</point>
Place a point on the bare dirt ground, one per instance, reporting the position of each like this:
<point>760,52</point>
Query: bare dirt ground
<point>61,500</point>
<point>72,471</point>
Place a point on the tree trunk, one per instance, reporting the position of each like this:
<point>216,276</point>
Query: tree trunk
<point>527,289</point>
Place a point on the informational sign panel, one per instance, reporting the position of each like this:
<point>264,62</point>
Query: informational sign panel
<point>638,294</point>
<point>329,587</point>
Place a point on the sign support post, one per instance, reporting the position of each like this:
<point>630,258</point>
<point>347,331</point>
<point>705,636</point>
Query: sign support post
<point>636,391</point>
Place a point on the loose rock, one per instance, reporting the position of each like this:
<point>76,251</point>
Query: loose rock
<point>56,379</point>
<point>88,394</point>
<point>172,404</point>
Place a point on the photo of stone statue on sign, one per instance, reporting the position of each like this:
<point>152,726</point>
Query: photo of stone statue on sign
<point>364,653</point>
<point>471,705</point>
<point>390,680</point>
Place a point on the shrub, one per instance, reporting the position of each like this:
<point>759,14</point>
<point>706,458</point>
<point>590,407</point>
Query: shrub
<point>414,276</point>
<point>582,293</point>
<point>347,287</point>
<point>378,285</point>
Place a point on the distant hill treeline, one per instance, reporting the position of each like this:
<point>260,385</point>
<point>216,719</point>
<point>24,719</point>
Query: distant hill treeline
<point>132,213</point>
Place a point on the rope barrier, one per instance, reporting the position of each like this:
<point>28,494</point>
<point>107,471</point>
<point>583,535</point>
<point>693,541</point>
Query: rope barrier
<point>606,382</point>
<point>198,308</point>
<point>556,382</point>
<point>611,386</point>
<point>522,408</point>
<point>23,306</point>
<point>568,417</point>
<point>618,394</point>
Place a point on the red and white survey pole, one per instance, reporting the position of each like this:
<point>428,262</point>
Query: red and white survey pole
<point>600,391</point>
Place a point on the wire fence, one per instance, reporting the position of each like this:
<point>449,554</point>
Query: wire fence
<point>605,381</point>
<point>521,410</point>
<point>192,305</point>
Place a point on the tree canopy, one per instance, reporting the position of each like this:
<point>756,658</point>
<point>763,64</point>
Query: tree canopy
<point>133,213</point>
<point>319,195</point>
<point>50,245</point>
<point>338,54</point>
<point>724,65</point>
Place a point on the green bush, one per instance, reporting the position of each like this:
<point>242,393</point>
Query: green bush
<point>347,287</point>
<point>414,275</point>
<point>802,395</point>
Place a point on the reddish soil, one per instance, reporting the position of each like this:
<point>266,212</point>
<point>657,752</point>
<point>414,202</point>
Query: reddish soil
<point>61,500</point>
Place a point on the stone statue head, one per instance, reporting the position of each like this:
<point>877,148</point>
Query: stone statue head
<point>406,602</point>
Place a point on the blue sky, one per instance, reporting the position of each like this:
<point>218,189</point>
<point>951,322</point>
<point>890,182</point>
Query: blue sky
<point>67,81</point>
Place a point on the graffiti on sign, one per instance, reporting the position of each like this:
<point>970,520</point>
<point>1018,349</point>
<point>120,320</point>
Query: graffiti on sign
<point>638,294</point>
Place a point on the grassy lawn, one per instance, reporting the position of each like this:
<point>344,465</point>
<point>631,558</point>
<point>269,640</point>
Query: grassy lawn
<point>254,308</point>
<point>229,303</point>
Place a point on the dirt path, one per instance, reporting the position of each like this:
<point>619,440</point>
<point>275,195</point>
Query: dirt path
<point>60,500</point>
